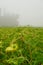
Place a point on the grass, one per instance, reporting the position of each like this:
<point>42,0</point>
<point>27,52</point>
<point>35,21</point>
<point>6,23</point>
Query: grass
<point>21,46</point>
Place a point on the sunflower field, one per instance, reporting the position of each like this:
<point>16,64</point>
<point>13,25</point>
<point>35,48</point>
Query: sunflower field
<point>21,46</point>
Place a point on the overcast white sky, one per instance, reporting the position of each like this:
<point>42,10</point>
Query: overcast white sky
<point>30,11</point>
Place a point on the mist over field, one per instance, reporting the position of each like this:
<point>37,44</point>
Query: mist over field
<point>30,11</point>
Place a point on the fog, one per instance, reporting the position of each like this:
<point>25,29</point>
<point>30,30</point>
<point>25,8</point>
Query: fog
<point>30,11</point>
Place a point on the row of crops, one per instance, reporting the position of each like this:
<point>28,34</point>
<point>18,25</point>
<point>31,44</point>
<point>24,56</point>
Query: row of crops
<point>21,46</point>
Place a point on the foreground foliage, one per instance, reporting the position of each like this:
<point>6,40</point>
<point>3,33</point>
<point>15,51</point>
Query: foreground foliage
<point>21,46</point>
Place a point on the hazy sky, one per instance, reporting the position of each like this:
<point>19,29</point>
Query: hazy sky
<point>30,11</point>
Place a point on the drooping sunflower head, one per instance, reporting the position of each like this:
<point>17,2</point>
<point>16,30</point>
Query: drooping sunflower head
<point>9,49</point>
<point>15,46</point>
<point>12,48</point>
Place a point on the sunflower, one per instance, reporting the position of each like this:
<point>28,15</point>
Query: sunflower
<point>12,47</point>
<point>15,46</point>
<point>9,49</point>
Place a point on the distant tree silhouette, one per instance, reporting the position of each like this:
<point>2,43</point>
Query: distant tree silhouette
<point>9,20</point>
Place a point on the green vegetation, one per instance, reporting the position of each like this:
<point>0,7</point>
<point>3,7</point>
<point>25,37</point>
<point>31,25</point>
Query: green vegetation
<point>21,46</point>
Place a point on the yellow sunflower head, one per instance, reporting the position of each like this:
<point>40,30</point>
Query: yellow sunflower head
<point>15,46</point>
<point>12,48</point>
<point>9,49</point>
